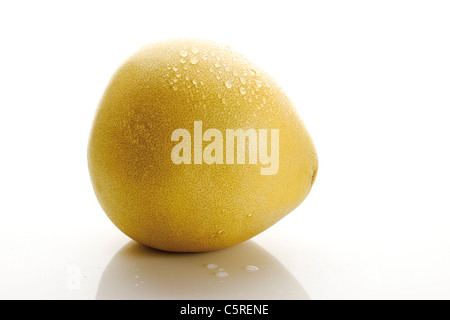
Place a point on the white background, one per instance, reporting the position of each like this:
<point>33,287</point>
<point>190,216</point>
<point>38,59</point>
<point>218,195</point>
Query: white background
<point>371,80</point>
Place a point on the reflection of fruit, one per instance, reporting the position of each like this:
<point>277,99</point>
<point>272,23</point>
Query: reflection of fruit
<point>136,272</point>
<point>198,206</point>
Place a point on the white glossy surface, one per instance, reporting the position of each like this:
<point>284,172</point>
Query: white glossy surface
<point>370,80</point>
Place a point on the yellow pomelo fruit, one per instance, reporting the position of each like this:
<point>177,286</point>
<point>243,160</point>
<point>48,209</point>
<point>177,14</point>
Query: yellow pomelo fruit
<point>173,193</point>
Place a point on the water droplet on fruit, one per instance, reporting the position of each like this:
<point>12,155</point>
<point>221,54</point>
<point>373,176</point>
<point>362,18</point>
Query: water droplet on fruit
<point>228,84</point>
<point>211,266</point>
<point>183,53</point>
<point>242,90</point>
<point>193,60</point>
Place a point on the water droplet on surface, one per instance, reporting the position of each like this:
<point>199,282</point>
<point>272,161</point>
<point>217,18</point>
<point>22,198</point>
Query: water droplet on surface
<point>178,75</point>
<point>211,266</point>
<point>193,60</point>
<point>175,88</point>
<point>228,84</point>
<point>251,268</point>
<point>252,72</point>
<point>183,53</point>
<point>217,64</point>
<point>183,60</point>
<point>174,68</point>
<point>235,73</point>
<point>258,83</point>
<point>250,214</point>
<point>194,50</point>
<point>222,274</point>
<point>242,90</point>
<point>205,57</point>
<point>243,81</point>
<point>194,81</point>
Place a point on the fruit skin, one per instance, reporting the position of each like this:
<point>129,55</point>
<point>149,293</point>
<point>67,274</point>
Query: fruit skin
<point>193,207</point>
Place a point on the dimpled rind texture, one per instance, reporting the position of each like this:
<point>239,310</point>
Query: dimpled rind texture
<point>193,207</point>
